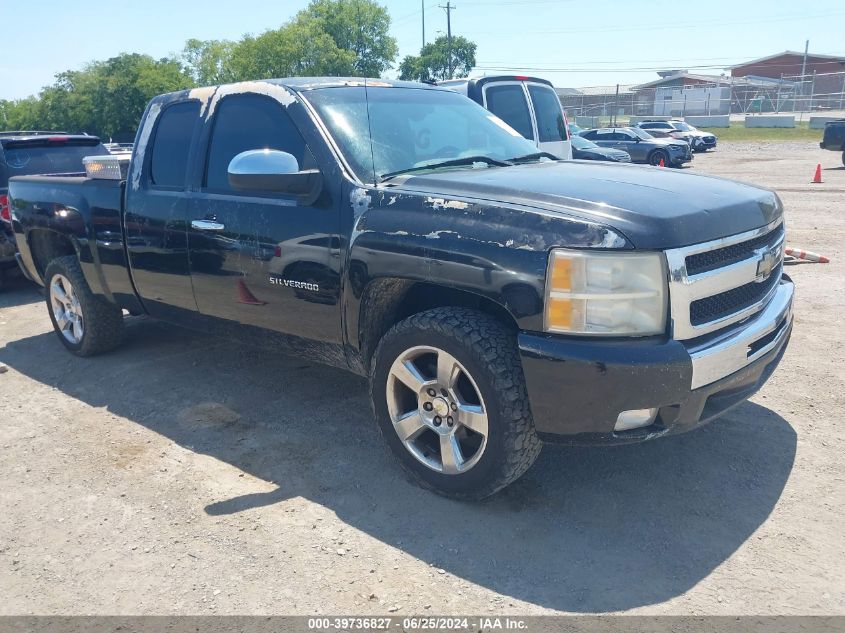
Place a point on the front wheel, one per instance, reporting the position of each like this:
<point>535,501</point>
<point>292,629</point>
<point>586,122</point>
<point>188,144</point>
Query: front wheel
<point>85,324</point>
<point>450,401</point>
<point>656,156</point>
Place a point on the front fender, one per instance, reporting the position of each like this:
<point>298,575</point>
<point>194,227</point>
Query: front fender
<point>496,251</point>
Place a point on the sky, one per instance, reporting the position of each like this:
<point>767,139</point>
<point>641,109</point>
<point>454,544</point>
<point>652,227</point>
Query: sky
<point>574,44</point>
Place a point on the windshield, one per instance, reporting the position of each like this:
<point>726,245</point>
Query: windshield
<point>683,127</point>
<point>407,128</point>
<point>579,142</point>
<point>29,160</point>
<point>639,132</point>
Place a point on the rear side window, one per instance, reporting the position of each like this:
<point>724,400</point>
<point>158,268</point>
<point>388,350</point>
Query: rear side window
<point>508,102</point>
<point>550,126</point>
<point>246,122</point>
<point>172,142</point>
<point>45,158</point>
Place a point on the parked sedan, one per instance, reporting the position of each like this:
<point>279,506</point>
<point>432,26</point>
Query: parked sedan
<point>641,145</point>
<point>584,149</point>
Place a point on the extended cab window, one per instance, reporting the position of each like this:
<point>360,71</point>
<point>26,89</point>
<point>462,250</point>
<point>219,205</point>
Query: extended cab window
<point>171,144</point>
<point>246,122</point>
<point>549,114</point>
<point>509,104</point>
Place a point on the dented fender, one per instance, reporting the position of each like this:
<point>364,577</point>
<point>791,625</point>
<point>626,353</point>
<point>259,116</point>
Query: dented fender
<point>498,251</point>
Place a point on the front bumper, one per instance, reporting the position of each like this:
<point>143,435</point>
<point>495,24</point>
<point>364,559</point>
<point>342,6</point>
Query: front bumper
<point>578,388</point>
<point>679,158</point>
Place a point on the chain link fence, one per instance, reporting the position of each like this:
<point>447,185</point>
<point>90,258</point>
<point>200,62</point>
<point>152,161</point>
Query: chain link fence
<point>816,93</point>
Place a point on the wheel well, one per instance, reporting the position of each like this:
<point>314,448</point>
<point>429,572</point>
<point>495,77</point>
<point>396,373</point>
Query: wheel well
<point>46,246</point>
<point>389,301</point>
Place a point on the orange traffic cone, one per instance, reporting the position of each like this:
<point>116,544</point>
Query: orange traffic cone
<point>245,296</point>
<point>806,255</point>
<point>818,177</point>
<point>661,163</point>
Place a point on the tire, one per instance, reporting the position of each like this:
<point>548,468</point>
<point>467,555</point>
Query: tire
<point>843,157</point>
<point>100,324</point>
<point>488,383</point>
<point>656,155</point>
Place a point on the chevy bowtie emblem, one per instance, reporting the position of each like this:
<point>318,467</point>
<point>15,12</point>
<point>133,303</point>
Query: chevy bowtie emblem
<point>767,261</point>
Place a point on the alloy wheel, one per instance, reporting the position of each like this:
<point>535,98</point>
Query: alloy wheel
<point>66,309</point>
<point>437,410</point>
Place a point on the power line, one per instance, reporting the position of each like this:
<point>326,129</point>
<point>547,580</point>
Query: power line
<point>677,26</point>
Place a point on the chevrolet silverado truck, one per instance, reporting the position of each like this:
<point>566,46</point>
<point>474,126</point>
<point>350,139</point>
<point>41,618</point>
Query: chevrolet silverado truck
<point>495,297</point>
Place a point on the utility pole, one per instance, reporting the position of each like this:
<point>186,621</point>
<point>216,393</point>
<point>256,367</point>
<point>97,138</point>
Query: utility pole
<point>422,6</point>
<point>449,8</point>
<point>804,68</point>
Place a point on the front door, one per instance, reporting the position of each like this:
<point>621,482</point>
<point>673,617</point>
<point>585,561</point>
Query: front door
<point>262,259</point>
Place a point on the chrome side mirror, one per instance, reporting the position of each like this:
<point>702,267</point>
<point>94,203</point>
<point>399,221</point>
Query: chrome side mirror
<point>270,170</point>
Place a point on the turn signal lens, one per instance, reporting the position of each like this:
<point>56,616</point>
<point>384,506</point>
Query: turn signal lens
<point>606,293</point>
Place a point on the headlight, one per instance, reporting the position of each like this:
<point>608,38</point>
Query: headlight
<point>604,293</point>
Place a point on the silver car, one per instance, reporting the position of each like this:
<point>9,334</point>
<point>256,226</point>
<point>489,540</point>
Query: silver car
<point>641,145</point>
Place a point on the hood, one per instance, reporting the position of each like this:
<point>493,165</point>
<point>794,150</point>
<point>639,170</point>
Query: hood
<point>654,208</point>
<point>604,152</point>
<point>666,140</point>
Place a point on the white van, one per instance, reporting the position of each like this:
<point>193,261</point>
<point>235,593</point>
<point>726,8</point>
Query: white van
<point>529,105</point>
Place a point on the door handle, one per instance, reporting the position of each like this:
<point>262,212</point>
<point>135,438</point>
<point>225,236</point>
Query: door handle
<point>207,225</point>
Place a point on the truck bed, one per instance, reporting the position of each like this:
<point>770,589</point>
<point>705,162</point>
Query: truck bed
<point>87,212</point>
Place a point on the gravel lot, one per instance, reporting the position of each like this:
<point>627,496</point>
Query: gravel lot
<point>183,474</point>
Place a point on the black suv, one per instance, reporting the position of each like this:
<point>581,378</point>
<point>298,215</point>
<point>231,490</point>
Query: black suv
<point>834,137</point>
<point>27,153</point>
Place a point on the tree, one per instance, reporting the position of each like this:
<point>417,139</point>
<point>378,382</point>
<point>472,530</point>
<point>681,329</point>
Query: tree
<point>299,48</point>
<point>105,98</point>
<point>433,60</point>
<point>21,114</point>
<point>208,62</point>
<point>361,26</point>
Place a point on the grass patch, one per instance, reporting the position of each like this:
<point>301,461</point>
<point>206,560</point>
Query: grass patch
<point>737,132</point>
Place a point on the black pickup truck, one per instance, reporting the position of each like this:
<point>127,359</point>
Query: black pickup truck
<point>834,137</point>
<point>494,296</point>
<point>30,152</point>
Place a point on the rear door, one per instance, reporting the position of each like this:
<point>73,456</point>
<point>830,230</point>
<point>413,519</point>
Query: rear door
<point>156,211</point>
<point>508,100</point>
<point>256,258</point>
<point>602,138</point>
<point>552,128</point>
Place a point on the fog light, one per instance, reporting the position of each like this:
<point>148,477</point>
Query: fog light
<point>635,419</point>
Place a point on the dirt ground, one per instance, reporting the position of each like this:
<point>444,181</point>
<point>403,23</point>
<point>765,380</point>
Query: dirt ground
<point>183,474</point>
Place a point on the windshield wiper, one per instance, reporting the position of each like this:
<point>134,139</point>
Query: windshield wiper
<point>455,162</point>
<point>530,157</point>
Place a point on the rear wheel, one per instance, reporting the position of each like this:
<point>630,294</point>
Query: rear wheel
<point>843,157</point>
<point>449,397</point>
<point>85,324</point>
<point>657,155</point>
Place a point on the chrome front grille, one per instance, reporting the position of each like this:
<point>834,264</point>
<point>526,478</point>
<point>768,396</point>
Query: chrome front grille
<point>719,283</point>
